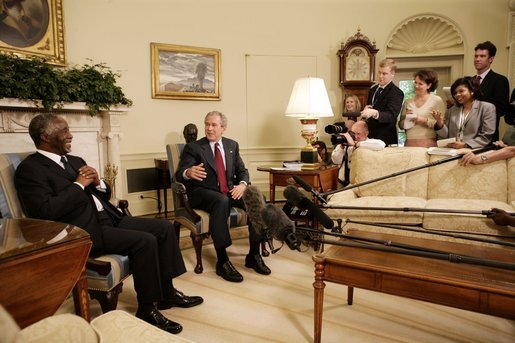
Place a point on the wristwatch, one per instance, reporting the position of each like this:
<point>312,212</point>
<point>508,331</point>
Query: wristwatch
<point>484,158</point>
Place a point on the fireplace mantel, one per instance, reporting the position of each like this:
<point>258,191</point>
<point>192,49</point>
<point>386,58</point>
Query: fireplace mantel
<point>95,138</point>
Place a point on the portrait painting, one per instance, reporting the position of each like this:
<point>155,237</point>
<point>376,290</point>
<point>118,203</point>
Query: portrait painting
<point>185,72</point>
<point>33,28</point>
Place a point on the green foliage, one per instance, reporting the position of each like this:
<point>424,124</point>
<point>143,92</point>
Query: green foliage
<point>35,79</point>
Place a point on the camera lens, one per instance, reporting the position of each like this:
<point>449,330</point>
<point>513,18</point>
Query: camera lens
<point>336,128</point>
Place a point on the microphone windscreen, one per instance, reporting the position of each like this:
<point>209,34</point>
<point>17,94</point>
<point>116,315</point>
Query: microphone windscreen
<point>254,204</point>
<point>307,187</point>
<point>277,222</point>
<point>293,195</point>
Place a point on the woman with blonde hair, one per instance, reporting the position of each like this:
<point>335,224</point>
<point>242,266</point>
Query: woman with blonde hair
<point>352,105</point>
<point>416,116</point>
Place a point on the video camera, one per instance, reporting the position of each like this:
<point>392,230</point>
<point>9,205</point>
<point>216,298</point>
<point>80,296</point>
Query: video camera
<point>336,130</point>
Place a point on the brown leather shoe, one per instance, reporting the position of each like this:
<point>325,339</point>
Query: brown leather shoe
<point>157,319</point>
<point>228,272</point>
<point>256,262</point>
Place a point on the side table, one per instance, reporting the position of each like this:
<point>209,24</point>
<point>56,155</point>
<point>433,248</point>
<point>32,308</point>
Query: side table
<point>324,179</point>
<point>162,183</point>
<point>41,261</point>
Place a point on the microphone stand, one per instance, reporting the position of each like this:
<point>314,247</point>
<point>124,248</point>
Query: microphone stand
<point>406,249</point>
<point>427,165</point>
<point>414,209</point>
<point>432,232</point>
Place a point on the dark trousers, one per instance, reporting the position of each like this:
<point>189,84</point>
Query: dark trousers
<point>154,254</point>
<point>219,206</point>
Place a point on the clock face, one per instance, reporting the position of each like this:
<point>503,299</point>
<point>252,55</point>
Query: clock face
<point>357,65</point>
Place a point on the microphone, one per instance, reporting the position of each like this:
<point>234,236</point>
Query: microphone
<point>293,195</point>
<point>351,114</point>
<point>254,204</point>
<point>307,187</point>
<point>280,227</point>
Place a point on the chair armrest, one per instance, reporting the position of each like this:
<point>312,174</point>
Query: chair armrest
<point>101,267</point>
<point>180,190</point>
<point>123,205</point>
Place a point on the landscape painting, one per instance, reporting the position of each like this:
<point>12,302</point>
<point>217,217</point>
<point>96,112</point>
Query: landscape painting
<point>185,72</point>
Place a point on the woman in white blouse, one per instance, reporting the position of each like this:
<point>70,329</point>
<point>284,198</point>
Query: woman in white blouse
<point>416,116</point>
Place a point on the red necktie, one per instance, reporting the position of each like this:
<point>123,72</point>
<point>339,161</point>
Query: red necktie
<point>478,80</point>
<point>220,170</point>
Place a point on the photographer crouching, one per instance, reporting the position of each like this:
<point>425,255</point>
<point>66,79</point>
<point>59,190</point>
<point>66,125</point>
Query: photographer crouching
<point>346,142</point>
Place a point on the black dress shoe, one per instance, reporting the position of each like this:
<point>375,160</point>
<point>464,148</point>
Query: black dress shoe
<point>256,262</point>
<point>180,300</point>
<point>228,272</point>
<point>161,322</point>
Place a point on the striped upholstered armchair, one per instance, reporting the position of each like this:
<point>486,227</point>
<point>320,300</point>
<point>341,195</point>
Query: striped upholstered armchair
<point>105,273</point>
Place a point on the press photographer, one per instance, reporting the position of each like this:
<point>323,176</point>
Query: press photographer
<point>346,142</point>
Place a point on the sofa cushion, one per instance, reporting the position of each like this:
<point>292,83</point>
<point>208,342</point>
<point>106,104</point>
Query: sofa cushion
<point>452,181</point>
<point>368,165</point>
<point>466,223</point>
<point>397,217</point>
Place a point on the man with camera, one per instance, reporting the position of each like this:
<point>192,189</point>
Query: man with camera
<point>346,142</point>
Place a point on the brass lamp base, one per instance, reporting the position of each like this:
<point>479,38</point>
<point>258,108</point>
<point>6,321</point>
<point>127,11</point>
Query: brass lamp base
<point>309,156</point>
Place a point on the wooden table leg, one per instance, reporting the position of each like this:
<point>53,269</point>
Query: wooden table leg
<point>318,286</point>
<point>81,297</point>
<point>350,295</point>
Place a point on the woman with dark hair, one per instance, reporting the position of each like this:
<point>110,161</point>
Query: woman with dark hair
<point>471,121</point>
<point>416,116</point>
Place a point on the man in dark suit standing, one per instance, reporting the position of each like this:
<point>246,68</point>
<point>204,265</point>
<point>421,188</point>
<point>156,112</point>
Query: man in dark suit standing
<point>494,87</point>
<point>215,177</point>
<point>54,185</point>
<point>384,105</point>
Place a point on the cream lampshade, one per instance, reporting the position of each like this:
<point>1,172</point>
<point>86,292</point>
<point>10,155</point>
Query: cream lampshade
<point>309,101</point>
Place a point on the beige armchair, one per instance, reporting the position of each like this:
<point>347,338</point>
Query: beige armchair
<point>114,326</point>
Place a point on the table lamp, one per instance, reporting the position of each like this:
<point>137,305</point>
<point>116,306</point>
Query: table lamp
<point>309,101</point>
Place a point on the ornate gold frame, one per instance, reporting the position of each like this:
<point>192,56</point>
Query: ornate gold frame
<point>34,31</point>
<point>185,72</point>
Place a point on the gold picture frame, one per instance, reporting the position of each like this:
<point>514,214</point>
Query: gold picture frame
<point>33,28</point>
<point>185,72</point>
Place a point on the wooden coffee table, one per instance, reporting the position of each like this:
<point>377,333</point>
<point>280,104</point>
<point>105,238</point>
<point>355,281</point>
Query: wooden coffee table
<point>471,287</point>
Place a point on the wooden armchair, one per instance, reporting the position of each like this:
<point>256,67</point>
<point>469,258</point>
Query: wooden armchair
<point>105,273</point>
<point>195,220</point>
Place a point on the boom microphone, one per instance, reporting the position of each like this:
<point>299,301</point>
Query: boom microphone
<point>280,227</point>
<point>254,204</point>
<point>307,187</point>
<point>292,194</point>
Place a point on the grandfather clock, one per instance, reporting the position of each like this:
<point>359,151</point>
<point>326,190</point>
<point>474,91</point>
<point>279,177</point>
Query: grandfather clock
<point>357,66</point>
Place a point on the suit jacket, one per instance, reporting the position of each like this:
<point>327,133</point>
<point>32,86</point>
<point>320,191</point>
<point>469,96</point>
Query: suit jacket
<point>479,124</point>
<point>388,104</point>
<point>46,192</point>
<point>200,151</point>
<point>496,90</point>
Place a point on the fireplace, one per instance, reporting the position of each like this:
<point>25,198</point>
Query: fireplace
<point>96,139</point>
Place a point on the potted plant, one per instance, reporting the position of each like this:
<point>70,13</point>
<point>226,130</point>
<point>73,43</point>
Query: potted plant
<point>37,80</point>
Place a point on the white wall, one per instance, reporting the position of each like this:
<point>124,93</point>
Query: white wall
<point>119,32</point>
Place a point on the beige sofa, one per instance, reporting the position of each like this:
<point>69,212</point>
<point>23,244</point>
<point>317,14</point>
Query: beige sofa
<point>442,186</point>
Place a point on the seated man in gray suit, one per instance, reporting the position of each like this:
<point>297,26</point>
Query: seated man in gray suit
<point>215,177</point>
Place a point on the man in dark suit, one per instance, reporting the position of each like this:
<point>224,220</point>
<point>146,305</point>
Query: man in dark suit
<point>384,105</point>
<point>215,177</point>
<point>54,185</point>
<point>494,87</point>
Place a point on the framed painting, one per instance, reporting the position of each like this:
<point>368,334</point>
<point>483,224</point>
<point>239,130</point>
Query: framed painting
<point>33,28</point>
<point>185,72</point>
